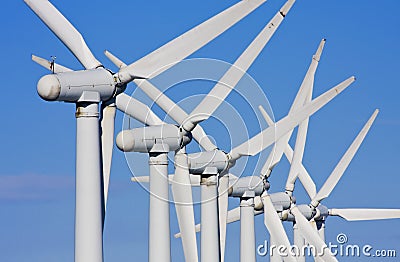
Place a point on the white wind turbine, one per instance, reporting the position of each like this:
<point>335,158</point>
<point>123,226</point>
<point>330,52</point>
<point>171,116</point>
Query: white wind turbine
<point>189,124</point>
<point>309,220</point>
<point>208,235</point>
<point>267,201</point>
<point>95,84</point>
<point>302,214</point>
<point>317,213</point>
<point>298,170</point>
<point>211,164</point>
<point>256,145</point>
<point>181,187</point>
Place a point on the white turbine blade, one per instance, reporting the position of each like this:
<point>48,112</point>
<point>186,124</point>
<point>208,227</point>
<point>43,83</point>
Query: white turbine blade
<point>137,110</point>
<point>304,92</point>
<point>182,193</point>
<point>107,145</point>
<point>115,60</point>
<point>233,215</point>
<point>344,162</point>
<point>357,214</point>
<point>306,87</point>
<point>146,179</point>
<point>142,179</point>
<point>232,77</point>
<point>311,236</point>
<point>271,134</point>
<point>65,31</point>
<point>267,118</point>
<point>188,43</point>
<point>304,176</point>
<point>275,228</point>
<point>297,159</point>
<point>297,155</point>
<point>267,167</point>
<point>197,227</point>
<point>174,111</point>
<point>223,187</point>
<point>56,68</point>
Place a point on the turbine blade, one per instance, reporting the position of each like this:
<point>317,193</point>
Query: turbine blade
<point>182,193</point>
<point>233,215</point>
<point>267,118</point>
<point>304,93</point>
<point>271,134</point>
<point>137,110</point>
<point>56,68</point>
<point>107,144</point>
<point>65,31</point>
<point>198,227</point>
<point>232,77</point>
<point>115,60</point>
<point>297,155</point>
<point>304,176</point>
<point>223,211</point>
<point>306,87</point>
<point>344,162</point>
<point>275,228</point>
<point>311,236</point>
<point>146,179</point>
<point>357,214</point>
<point>188,43</point>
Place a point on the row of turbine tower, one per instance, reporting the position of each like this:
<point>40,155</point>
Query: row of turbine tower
<point>98,92</point>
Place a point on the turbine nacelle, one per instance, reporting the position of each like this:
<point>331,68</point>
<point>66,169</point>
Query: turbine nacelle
<point>249,186</point>
<point>322,212</point>
<point>144,139</point>
<point>307,211</point>
<point>200,163</point>
<point>281,201</point>
<point>92,85</point>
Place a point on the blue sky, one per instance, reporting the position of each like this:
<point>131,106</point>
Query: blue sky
<point>38,138</point>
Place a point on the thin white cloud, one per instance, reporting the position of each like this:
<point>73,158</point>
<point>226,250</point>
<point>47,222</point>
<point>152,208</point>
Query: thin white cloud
<point>34,186</point>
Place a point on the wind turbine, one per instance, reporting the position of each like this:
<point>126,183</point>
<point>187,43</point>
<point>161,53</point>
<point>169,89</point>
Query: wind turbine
<point>95,84</point>
<point>304,93</point>
<point>301,215</point>
<point>223,161</point>
<point>189,123</point>
<point>252,191</point>
<point>180,116</point>
<point>211,163</point>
